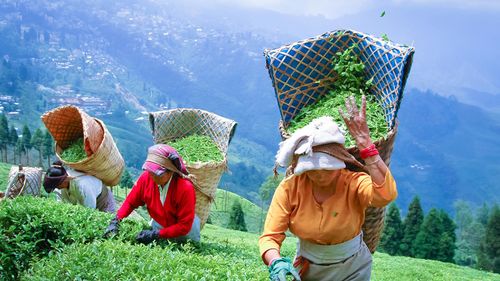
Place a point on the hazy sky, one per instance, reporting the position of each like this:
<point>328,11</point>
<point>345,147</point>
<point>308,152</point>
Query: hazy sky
<point>456,41</point>
<point>337,8</point>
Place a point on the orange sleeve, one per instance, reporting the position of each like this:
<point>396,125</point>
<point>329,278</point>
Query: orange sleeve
<point>376,195</point>
<point>277,220</point>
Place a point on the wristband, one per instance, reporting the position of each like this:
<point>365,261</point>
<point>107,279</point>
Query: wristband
<point>368,151</point>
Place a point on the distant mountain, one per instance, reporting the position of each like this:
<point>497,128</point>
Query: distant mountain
<point>445,150</point>
<point>133,56</point>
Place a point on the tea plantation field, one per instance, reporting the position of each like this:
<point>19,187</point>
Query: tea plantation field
<point>41,239</point>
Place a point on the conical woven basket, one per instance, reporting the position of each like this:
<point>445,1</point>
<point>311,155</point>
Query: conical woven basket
<point>69,123</point>
<point>24,181</point>
<point>302,73</point>
<point>174,124</point>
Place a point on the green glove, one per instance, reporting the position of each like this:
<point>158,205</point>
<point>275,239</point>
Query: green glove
<point>280,268</point>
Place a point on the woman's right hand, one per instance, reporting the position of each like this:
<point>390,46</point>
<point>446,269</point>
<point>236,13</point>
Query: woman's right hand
<point>280,268</point>
<point>112,228</point>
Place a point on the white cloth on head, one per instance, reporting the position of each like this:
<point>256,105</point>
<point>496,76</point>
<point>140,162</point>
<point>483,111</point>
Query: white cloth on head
<point>322,130</point>
<point>317,161</point>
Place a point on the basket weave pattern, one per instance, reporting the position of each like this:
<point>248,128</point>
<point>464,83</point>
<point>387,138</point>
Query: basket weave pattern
<point>26,181</point>
<point>69,123</point>
<point>302,73</point>
<point>174,124</point>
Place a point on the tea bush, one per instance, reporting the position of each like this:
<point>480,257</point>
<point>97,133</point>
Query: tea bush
<point>116,260</point>
<point>31,228</point>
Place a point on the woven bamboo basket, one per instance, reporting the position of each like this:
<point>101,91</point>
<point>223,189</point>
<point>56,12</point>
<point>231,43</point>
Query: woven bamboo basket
<point>24,181</point>
<point>69,123</point>
<point>302,73</point>
<point>170,125</point>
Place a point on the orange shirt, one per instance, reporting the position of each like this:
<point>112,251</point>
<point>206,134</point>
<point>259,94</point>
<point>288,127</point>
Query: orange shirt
<point>336,220</point>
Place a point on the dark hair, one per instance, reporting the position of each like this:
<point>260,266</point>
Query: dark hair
<point>54,176</point>
<point>56,170</point>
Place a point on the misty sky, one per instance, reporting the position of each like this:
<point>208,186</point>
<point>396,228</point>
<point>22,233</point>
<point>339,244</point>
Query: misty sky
<point>456,41</point>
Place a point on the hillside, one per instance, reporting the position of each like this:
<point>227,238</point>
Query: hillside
<point>4,175</point>
<point>122,58</point>
<point>221,211</point>
<point>222,255</point>
<point>444,152</point>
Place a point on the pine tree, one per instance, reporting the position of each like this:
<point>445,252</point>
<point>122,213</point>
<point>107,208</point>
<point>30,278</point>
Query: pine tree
<point>448,238</point>
<point>4,136</point>
<point>489,250</point>
<point>392,235</point>
<point>26,142</point>
<point>19,150</point>
<point>126,180</point>
<point>37,141</point>
<point>483,214</point>
<point>48,148</point>
<point>237,217</point>
<point>411,226</point>
<point>469,234</point>
<point>428,239</point>
<point>13,137</point>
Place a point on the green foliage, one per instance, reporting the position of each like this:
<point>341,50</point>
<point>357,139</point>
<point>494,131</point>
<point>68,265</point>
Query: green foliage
<point>469,234</point>
<point>31,228</point>
<point>48,147</point>
<point>13,136</point>
<point>237,218</point>
<point>390,268</point>
<point>489,249</point>
<point>393,231</point>
<point>4,131</point>
<point>4,176</point>
<point>37,141</point>
<point>411,226</point>
<point>26,139</point>
<point>221,211</point>
<point>197,148</point>
<point>112,260</point>
<point>436,239</point>
<point>448,238</point>
<point>126,181</point>
<point>222,255</point>
<point>75,152</point>
<point>350,82</point>
<point>266,189</point>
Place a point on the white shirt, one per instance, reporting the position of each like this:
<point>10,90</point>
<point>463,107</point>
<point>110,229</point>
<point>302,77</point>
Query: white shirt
<point>83,189</point>
<point>164,190</point>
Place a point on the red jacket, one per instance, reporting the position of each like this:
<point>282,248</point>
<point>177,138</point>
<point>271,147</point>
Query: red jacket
<point>176,215</point>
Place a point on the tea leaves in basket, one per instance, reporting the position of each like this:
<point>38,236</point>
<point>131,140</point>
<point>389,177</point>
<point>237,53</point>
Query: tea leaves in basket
<point>74,152</point>
<point>350,82</point>
<point>197,148</point>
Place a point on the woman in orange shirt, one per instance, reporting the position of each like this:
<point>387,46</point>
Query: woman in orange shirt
<point>323,203</point>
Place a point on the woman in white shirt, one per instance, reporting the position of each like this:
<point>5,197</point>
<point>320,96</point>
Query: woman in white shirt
<point>79,188</point>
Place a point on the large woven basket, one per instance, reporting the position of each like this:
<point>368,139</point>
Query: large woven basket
<point>170,125</point>
<point>69,123</point>
<point>302,73</point>
<point>24,181</point>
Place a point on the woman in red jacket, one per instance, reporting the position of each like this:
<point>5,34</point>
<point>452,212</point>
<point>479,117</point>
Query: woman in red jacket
<point>168,193</point>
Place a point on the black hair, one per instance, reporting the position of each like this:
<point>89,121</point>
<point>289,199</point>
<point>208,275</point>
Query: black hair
<point>56,170</point>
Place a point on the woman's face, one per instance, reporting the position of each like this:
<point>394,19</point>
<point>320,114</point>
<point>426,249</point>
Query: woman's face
<point>322,178</point>
<point>163,178</point>
<point>64,184</point>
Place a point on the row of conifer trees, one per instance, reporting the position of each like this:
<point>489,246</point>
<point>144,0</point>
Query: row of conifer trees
<point>473,239</point>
